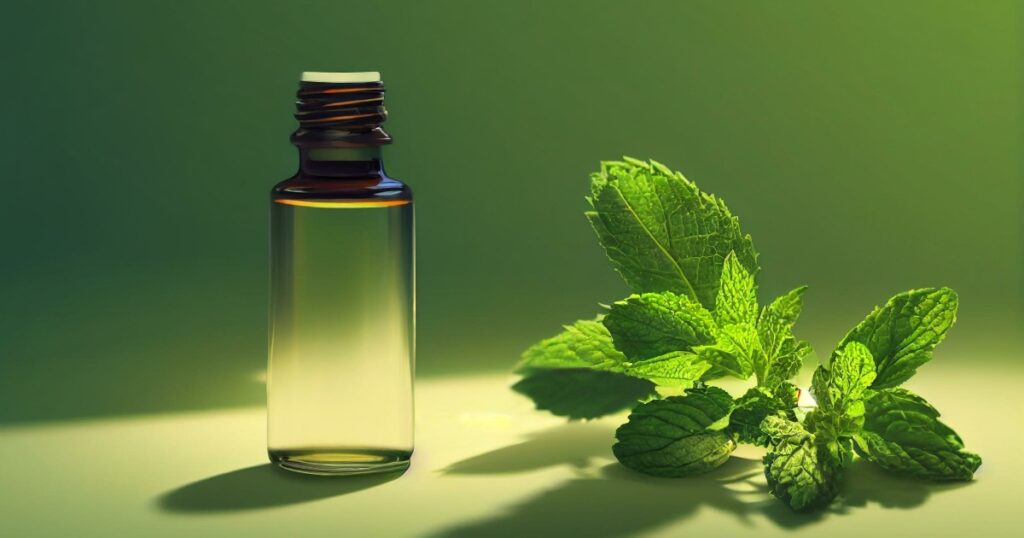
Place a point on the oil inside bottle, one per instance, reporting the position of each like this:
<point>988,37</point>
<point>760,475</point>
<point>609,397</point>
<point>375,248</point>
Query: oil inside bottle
<point>340,378</point>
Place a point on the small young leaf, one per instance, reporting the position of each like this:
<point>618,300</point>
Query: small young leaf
<point>733,353</point>
<point>584,344</point>
<point>839,391</point>
<point>677,436</point>
<point>801,471</point>
<point>902,334</point>
<point>652,324</point>
<point>903,434</point>
<point>771,370</point>
<point>583,393</point>
<point>781,353</point>
<point>757,404</point>
<point>775,323</point>
<point>848,377</point>
<point>661,232</point>
<point>737,295</point>
<point>673,369</point>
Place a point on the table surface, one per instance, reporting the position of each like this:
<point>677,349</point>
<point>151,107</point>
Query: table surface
<point>486,464</point>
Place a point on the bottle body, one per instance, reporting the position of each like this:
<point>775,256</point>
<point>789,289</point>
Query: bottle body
<point>342,325</point>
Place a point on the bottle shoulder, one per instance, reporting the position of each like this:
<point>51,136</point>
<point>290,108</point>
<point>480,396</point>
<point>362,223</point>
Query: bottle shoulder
<point>382,188</point>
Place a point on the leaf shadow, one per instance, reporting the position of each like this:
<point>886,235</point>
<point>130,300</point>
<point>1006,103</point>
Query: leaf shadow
<point>261,486</point>
<point>866,483</point>
<point>607,500</point>
<point>613,502</point>
<point>574,443</point>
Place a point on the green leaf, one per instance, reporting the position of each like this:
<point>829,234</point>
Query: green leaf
<point>775,323</point>
<point>845,381</point>
<point>652,324</point>
<point>662,233</point>
<point>584,344</point>
<point>902,334</point>
<point>583,393</point>
<point>733,353</point>
<point>903,434</point>
<point>839,391</point>
<point>757,404</point>
<point>781,353</point>
<point>677,436</point>
<point>774,370</point>
<point>786,308</point>
<point>673,369</point>
<point>801,471</point>
<point>737,295</point>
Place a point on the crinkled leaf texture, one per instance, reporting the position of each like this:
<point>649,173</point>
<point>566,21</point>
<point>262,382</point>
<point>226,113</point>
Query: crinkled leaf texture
<point>757,404</point>
<point>849,375</point>
<point>764,344</point>
<point>733,353</point>
<point>579,393</point>
<point>801,471</point>
<point>839,390</point>
<point>677,436</point>
<point>903,434</point>
<point>661,232</point>
<point>651,324</point>
<point>584,344</point>
<point>781,354</point>
<point>736,301</point>
<point>673,369</point>
<point>902,334</point>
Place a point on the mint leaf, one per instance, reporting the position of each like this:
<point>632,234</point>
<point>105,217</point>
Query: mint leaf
<point>677,436</point>
<point>584,344</point>
<point>652,324</point>
<point>786,308</point>
<point>757,404</point>
<point>801,471</point>
<point>902,334</point>
<point>781,353</point>
<point>733,353</point>
<point>786,363</point>
<point>902,434</point>
<point>583,393</point>
<point>736,301</point>
<point>775,322</point>
<point>673,369</point>
<point>840,390</point>
<point>661,232</point>
<point>844,383</point>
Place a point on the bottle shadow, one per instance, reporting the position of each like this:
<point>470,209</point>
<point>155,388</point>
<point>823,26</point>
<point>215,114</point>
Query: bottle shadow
<point>262,486</point>
<point>611,500</point>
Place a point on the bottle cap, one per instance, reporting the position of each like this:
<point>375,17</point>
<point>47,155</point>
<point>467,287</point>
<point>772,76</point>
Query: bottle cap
<point>339,78</point>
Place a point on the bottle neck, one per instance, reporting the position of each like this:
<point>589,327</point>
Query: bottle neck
<point>341,163</point>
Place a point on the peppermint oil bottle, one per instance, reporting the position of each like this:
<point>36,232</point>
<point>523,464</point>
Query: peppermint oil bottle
<point>342,328</point>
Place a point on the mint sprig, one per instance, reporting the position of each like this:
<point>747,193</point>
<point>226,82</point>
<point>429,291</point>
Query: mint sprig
<point>694,317</point>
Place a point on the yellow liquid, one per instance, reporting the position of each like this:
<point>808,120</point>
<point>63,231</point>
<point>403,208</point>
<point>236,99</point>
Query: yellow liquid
<point>339,388</point>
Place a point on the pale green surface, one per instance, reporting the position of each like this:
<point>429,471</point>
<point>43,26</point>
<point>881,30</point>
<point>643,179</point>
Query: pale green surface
<point>486,465</point>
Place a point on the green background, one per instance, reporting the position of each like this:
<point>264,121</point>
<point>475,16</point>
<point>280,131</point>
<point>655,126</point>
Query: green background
<point>868,147</point>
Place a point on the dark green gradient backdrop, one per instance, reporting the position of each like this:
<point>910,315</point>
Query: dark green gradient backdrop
<point>868,147</point>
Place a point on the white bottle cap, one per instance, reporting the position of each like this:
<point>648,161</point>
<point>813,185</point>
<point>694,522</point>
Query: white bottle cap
<point>319,76</point>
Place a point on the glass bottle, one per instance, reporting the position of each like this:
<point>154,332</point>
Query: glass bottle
<point>342,327</point>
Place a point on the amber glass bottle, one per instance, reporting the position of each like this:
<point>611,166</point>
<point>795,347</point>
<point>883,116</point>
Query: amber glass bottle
<point>342,328</point>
